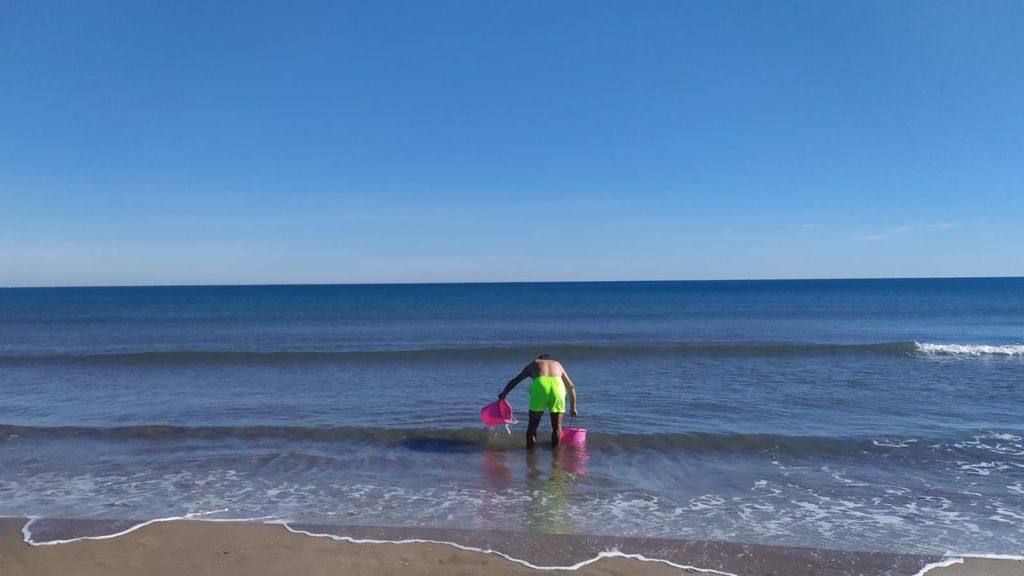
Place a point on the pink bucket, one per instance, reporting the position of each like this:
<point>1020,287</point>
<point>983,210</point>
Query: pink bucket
<point>574,436</point>
<point>497,413</point>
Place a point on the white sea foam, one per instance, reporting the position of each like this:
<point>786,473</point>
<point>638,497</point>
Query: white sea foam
<point>705,502</point>
<point>970,349</point>
<point>783,510</point>
<point>1008,516</point>
<point>890,443</point>
<point>26,533</point>
<point>996,443</point>
<point>576,566</point>
<point>982,468</point>
<point>954,558</point>
<point>939,564</point>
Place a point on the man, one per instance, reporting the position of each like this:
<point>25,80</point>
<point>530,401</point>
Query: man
<point>546,393</point>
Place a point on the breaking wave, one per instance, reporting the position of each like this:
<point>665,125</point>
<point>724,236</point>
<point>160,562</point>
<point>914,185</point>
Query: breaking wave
<point>970,349</point>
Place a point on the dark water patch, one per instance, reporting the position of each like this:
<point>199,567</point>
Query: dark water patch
<point>485,353</point>
<point>441,445</point>
<point>186,357</point>
<point>441,440</point>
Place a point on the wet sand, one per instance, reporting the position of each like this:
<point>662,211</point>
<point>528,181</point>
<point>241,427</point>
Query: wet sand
<point>228,548</point>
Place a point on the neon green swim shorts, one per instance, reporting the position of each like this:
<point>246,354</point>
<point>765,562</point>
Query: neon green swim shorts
<point>547,393</point>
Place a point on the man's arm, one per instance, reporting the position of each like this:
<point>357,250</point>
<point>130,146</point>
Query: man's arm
<point>572,393</point>
<point>512,383</point>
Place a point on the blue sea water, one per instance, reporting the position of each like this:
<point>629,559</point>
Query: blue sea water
<point>857,414</point>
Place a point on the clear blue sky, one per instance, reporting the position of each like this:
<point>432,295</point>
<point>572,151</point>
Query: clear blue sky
<point>236,142</point>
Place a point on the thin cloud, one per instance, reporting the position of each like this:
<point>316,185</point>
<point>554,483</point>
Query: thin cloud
<point>905,229</point>
<point>872,237</point>
<point>809,226</point>
<point>943,225</point>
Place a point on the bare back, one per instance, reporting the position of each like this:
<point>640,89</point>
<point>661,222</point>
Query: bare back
<point>544,367</point>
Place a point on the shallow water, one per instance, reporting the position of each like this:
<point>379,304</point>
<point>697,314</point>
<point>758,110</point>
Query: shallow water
<point>865,415</point>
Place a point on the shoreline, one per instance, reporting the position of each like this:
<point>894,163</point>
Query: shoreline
<point>255,546</point>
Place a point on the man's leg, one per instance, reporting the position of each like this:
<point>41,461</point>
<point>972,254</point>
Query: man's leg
<point>556,428</point>
<point>531,429</point>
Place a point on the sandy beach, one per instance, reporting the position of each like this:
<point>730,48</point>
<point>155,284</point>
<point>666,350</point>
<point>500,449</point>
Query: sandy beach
<point>227,548</point>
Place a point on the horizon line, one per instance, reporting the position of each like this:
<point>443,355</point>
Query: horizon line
<point>483,282</point>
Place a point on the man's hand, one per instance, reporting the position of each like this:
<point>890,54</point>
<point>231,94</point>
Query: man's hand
<point>572,412</point>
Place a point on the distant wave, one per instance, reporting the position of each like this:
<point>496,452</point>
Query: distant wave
<point>573,351</point>
<point>462,439</point>
<point>970,349</point>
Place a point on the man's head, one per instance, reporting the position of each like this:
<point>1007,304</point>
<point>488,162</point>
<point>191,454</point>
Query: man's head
<point>543,357</point>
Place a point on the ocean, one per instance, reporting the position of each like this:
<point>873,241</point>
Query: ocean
<point>866,415</point>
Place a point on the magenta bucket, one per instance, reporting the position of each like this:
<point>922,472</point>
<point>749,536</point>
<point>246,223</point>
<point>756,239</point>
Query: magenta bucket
<point>497,413</point>
<point>574,436</point>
